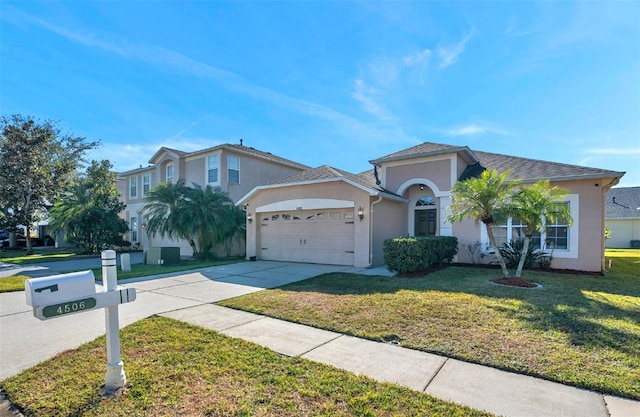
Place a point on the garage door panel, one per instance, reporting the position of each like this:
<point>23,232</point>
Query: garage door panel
<point>318,236</point>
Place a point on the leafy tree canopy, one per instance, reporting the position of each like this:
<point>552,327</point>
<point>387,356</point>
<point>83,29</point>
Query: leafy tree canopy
<point>37,162</point>
<point>88,213</point>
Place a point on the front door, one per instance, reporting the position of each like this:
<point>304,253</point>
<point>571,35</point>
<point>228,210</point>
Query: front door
<point>425,222</point>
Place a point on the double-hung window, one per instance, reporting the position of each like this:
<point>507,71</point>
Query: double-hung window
<point>133,225</point>
<point>133,187</point>
<point>233,168</point>
<point>146,183</point>
<point>557,234</point>
<point>170,173</point>
<point>213,163</point>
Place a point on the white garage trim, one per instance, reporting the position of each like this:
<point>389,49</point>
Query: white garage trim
<point>305,204</point>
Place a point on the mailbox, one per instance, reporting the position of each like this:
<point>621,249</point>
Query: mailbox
<point>59,288</point>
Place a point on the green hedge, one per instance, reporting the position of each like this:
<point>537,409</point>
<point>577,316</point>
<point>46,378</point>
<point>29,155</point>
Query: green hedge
<point>409,254</point>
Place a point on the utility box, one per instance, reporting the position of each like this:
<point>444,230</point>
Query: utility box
<point>59,288</point>
<point>166,255</point>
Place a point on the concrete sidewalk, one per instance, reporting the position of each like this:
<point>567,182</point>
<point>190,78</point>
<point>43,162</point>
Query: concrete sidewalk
<point>188,297</point>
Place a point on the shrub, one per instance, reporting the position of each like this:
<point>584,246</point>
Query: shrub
<point>512,250</point>
<point>410,254</point>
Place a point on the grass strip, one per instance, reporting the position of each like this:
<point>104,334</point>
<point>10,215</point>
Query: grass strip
<point>20,257</point>
<point>579,330</point>
<point>142,270</point>
<point>176,369</point>
<point>12,283</point>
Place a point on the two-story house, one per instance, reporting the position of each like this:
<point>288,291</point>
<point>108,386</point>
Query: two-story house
<point>235,169</point>
<point>327,215</point>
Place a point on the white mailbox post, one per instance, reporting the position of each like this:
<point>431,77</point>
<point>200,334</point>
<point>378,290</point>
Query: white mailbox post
<point>64,294</point>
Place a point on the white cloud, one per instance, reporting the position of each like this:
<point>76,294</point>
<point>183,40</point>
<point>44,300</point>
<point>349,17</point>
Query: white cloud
<point>448,56</point>
<point>368,97</point>
<point>473,129</point>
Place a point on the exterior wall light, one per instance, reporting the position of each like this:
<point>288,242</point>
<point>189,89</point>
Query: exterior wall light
<point>249,218</point>
<point>360,213</point>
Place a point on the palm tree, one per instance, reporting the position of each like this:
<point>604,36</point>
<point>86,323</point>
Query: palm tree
<point>211,218</point>
<point>484,199</point>
<point>203,216</point>
<point>165,211</point>
<point>536,204</point>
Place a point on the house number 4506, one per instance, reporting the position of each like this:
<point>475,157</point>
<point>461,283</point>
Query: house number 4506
<point>68,307</point>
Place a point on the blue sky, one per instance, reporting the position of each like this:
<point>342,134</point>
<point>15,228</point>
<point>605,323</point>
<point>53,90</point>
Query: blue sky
<point>337,83</point>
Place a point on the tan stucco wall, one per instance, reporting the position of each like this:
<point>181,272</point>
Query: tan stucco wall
<point>468,234</point>
<point>337,190</point>
<point>439,172</point>
<point>623,231</point>
<point>389,221</point>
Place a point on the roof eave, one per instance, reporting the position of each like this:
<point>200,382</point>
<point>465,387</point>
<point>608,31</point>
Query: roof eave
<point>372,192</point>
<point>468,152</point>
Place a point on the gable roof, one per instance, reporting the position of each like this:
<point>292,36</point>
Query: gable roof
<point>525,169</point>
<point>425,149</point>
<point>623,203</point>
<point>325,173</point>
<point>247,150</point>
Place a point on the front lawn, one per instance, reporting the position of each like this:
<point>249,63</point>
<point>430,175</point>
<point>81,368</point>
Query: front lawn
<point>177,369</point>
<point>581,330</point>
<point>20,257</point>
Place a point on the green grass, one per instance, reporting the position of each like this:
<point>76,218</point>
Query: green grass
<point>623,261</point>
<point>174,368</point>
<point>581,330</point>
<point>13,283</point>
<point>20,257</point>
<point>142,270</point>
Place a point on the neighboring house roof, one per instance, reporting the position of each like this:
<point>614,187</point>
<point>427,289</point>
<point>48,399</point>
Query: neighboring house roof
<point>623,203</point>
<point>524,169</point>
<point>247,150</point>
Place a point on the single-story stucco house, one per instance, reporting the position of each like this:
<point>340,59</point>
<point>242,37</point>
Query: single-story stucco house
<point>622,217</point>
<point>326,215</point>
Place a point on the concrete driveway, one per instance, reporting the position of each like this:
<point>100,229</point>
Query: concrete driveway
<point>26,341</point>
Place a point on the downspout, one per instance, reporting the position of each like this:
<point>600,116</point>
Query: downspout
<point>371,230</point>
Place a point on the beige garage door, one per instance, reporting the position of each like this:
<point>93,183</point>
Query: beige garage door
<point>316,236</point>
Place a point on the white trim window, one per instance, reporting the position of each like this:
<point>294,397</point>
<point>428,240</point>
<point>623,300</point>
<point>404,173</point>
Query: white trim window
<point>133,226</point>
<point>557,238</point>
<point>233,168</point>
<point>146,183</point>
<point>133,187</point>
<point>169,173</point>
<point>213,165</point>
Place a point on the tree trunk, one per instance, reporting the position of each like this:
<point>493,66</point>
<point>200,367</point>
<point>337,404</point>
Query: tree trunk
<point>492,239</point>
<point>27,236</point>
<point>523,256</point>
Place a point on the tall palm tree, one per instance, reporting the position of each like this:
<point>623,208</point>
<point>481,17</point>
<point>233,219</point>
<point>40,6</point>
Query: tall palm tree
<point>211,217</point>
<point>535,205</point>
<point>165,210</point>
<point>203,216</point>
<point>484,199</point>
